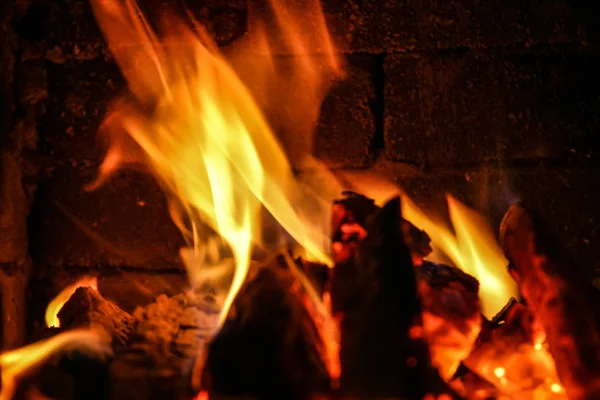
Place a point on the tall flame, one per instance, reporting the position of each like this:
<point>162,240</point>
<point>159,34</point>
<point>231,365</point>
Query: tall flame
<point>206,141</point>
<point>59,301</point>
<point>472,246</point>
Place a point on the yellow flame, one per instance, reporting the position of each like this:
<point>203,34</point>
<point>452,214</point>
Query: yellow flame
<point>17,363</point>
<point>472,246</point>
<point>205,140</point>
<point>59,301</point>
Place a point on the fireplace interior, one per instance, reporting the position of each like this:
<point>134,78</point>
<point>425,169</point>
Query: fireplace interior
<point>464,107</point>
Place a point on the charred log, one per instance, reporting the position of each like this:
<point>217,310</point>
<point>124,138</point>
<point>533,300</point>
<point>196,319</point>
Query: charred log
<point>88,309</point>
<point>451,314</point>
<point>349,216</point>
<point>269,347</point>
<point>158,360</point>
<point>377,293</point>
<point>556,292</point>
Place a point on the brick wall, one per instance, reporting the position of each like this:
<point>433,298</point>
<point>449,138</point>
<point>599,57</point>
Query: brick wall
<point>491,101</point>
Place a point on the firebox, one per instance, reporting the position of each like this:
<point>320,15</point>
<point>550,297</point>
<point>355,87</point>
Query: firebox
<point>299,199</point>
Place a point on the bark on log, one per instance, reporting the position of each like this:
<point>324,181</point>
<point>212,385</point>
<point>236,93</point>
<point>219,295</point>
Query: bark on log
<point>562,300</point>
<point>376,292</point>
<point>86,308</point>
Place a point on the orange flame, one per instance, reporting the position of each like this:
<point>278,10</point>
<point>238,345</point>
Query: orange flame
<point>59,301</point>
<point>207,142</point>
<point>472,246</point>
<point>15,364</point>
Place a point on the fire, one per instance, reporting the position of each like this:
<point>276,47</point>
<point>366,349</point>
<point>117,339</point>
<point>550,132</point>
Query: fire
<point>59,301</point>
<point>15,364</point>
<point>197,127</point>
<point>472,246</point>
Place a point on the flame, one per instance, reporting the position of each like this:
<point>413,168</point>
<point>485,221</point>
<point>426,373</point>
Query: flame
<point>207,142</point>
<point>17,363</point>
<point>472,246</point>
<point>59,301</point>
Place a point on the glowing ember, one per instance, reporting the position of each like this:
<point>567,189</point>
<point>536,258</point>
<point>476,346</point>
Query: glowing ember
<point>59,301</point>
<point>15,364</point>
<point>556,388</point>
<point>538,346</point>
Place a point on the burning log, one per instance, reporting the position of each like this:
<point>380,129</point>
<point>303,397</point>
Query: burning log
<point>168,334</point>
<point>349,216</point>
<point>88,309</point>
<point>559,298</point>
<point>269,347</point>
<point>451,314</point>
<point>509,354</point>
<point>376,292</point>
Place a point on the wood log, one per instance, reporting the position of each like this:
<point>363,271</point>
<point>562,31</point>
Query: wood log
<point>451,314</point>
<point>349,216</point>
<point>86,308</point>
<point>559,296</point>
<point>269,347</point>
<point>158,360</point>
<point>376,292</point>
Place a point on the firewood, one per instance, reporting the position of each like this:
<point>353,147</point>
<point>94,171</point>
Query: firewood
<point>376,292</point>
<point>269,346</point>
<point>87,308</point>
<point>560,298</point>
<point>348,220</point>
<point>451,314</point>
<point>158,359</point>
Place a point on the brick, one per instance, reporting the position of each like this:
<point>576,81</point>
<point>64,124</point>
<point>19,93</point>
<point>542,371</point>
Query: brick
<point>400,26</point>
<point>225,20</point>
<point>124,223</point>
<point>503,107</point>
<point>562,195</point>
<point>355,26</point>
<point>403,126</point>
<point>13,212</point>
<point>34,83</point>
<point>476,24</point>
<point>284,92</point>
<point>345,133</point>
<point>78,97</point>
<point>384,26</point>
